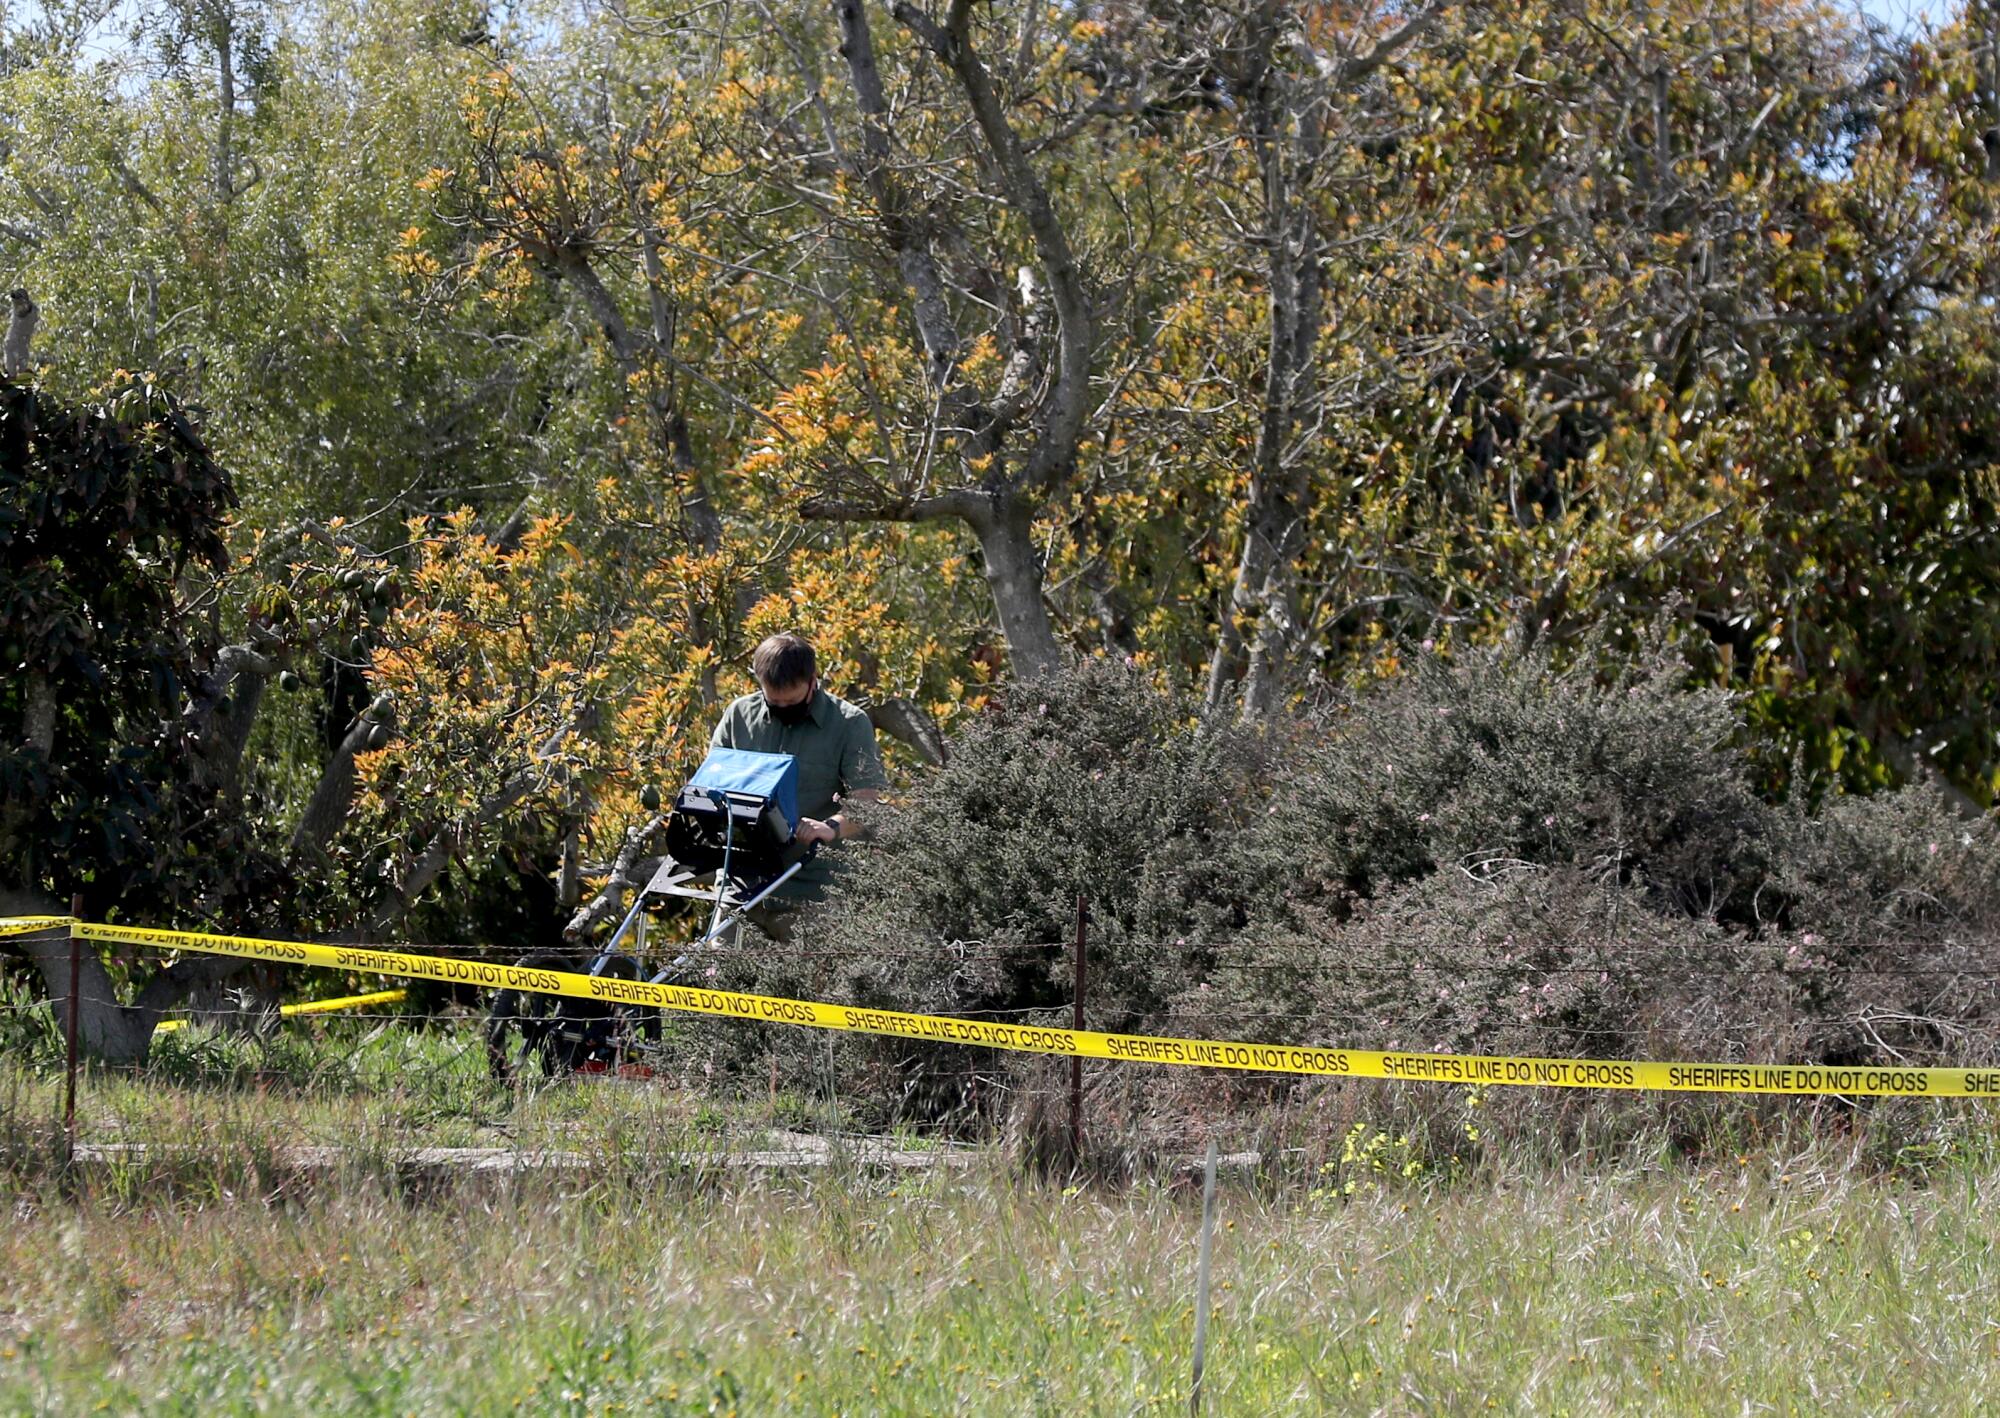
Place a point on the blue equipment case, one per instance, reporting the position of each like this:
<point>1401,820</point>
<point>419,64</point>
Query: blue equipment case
<point>773,777</point>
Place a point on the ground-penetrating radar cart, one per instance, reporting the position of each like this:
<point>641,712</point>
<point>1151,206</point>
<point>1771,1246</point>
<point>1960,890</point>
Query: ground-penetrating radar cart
<point>731,842</point>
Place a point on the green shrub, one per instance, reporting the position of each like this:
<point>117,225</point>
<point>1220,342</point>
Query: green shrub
<point>1541,961</point>
<point>28,1030</point>
<point>201,1055</point>
<point>1094,784</point>
<point>1889,862</point>
<point>1893,908</point>
<point>1502,758</point>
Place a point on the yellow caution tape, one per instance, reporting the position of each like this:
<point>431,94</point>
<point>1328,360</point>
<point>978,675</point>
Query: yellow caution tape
<point>1618,1074</point>
<point>28,925</point>
<point>318,1006</point>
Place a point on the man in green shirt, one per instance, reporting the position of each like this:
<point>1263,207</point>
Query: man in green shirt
<point>833,743</point>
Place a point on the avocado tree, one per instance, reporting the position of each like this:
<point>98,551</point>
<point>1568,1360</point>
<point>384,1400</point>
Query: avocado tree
<point>124,720</point>
<point>145,651</point>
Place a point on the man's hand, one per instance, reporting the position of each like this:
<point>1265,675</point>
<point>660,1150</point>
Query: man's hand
<point>840,827</point>
<point>812,830</point>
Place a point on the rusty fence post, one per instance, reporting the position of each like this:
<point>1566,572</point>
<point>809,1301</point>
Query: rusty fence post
<point>1076,1022</point>
<point>69,1070</point>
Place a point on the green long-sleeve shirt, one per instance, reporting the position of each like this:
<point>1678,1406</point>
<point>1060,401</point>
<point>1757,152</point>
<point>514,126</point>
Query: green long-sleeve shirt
<point>835,752</point>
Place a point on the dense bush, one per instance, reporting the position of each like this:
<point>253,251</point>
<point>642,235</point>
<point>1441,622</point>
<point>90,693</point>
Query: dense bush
<point>1894,863</point>
<point>1559,961</point>
<point>1892,909</point>
<point>1501,759</point>
<point>1092,785</point>
<point>28,1029</point>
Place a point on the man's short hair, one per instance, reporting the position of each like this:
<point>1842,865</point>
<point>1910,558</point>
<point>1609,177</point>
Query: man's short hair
<point>783,661</point>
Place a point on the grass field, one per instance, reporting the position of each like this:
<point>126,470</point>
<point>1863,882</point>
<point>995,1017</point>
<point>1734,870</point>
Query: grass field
<point>1774,1282</point>
<point>1740,1290</point>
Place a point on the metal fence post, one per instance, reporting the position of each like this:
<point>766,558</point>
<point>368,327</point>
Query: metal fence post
<point>1201,1281</point>
<point>1076,1060</point>
<point>69,1079</point>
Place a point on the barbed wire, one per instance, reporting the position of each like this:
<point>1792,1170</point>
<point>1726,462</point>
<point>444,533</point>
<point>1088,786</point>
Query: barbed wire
<point>1254,960</point>
<point>748,940</point>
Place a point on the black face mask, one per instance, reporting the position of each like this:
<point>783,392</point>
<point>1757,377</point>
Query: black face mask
<point>793,713</point>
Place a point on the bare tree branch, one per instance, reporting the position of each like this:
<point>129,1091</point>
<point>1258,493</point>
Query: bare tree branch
<point>1061,422</point>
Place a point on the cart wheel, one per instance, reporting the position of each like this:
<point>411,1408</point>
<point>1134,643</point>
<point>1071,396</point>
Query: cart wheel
<point>524,1022</point>
<point>636,1026</point>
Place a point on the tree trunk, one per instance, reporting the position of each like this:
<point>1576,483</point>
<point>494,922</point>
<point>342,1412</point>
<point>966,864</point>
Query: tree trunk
<point>1279,634</point>
<point>1265,592</point>
<point>224,38</point>
<point>1000,511</point>
<point>107,1031</point>
<point>903,232</point>
<point>1262,611</point>
<point>17,812</point>
<point>908,722</point>
<point>38,729</point>
<point>17,359</point>
<point>1286,108</point>
<point>332,796</point>
<point>1014,574</point>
